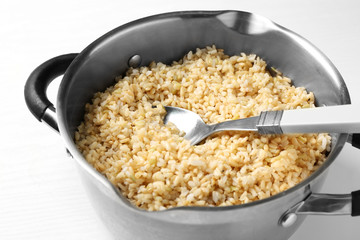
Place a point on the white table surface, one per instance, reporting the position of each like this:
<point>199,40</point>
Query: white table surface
<point>41,196</point>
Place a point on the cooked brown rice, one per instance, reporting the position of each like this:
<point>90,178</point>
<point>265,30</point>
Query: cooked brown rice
<point>124,138</point>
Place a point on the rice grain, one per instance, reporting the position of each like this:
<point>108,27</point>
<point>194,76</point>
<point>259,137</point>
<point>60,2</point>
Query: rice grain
<point>123,135</point>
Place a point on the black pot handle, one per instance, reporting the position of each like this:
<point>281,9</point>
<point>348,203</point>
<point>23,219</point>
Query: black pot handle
<point>355,140</point>
<point>355,203</point>
<point>37,83</point>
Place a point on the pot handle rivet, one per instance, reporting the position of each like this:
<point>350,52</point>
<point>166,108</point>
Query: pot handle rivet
<point>134,61</point>
<point>288,220</point>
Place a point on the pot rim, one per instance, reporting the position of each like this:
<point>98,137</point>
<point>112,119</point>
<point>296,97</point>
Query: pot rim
<point>87,52</point>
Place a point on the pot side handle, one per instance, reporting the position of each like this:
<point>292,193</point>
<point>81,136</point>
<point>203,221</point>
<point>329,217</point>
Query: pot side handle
<point>323,204</point>
<point>37,83</point>
<point>355,203</point>
<point>354,140</point>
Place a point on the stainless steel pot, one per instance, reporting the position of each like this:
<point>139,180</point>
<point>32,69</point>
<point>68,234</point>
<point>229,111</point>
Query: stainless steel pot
<point>168,37</point>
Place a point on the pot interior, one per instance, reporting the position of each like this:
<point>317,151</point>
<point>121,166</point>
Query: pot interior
<point>168,37</point>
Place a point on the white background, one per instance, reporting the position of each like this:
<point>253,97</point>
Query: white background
<point>41,196</point>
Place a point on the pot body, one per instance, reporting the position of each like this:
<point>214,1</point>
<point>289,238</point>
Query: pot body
<point>168,37</point>
<point>251,221</point>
